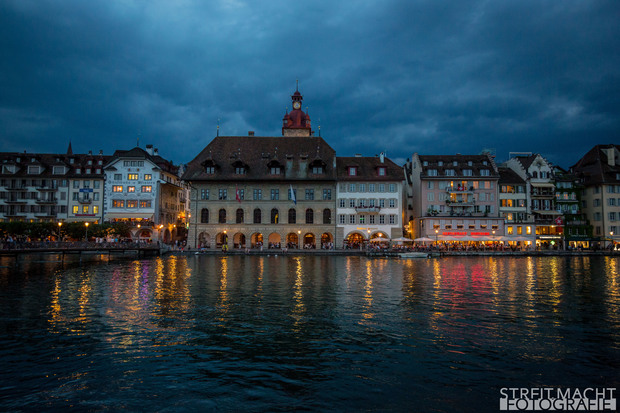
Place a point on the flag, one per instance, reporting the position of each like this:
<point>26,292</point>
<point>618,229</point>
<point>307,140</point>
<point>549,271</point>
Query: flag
<point>293,195</point>
<point>237,195</point>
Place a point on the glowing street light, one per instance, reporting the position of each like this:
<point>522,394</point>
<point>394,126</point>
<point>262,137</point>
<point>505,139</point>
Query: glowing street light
<point>86,224</point>
<point>298,239</point>
<point>59,225</point>
<point>436,235</point>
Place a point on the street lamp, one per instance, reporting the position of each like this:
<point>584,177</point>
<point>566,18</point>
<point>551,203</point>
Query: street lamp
<point>611,239</point>
<point>87,224</point>
<point>298,239</point>
<point>59,225</point>
<point>436,235</point>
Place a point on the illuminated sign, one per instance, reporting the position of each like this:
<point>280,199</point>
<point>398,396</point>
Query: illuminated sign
<point>480,233</point>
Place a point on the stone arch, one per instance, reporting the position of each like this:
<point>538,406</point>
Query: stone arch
<point>327,240</point>
<point>292,240</point>
<point>275,240</point>
<point>220,239</point>
<point>204,240</point>
<point>309,240</point>
<point>256,240</point>
<point>354,240</point>
<point>166,236</point>
<point>239,240</point>
<point>379,234</point>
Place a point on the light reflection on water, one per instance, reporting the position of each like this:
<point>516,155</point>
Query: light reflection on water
<point>315,333</point>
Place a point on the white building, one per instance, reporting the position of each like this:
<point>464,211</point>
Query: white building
<point>144,190</point>
<point>369,200</point>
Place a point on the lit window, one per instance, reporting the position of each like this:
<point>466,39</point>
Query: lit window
<point>118,203</point>
<point>145,204</point>
<point>76,209</point>
<point>95,209</point>
<point>131,189</point>
<point>132,204</point>
<point>148,188</point>
<point>85,209</point>
<point>117,188</point>
<point>132,177</point>
<point>148,177</point>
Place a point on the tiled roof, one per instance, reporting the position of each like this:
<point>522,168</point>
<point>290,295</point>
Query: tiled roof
<point>593,168</point>
<point>508,176</point>
<point>257,154</point>
<point>462,163</point>
<point>139,153</point>
<point>367,169</point>
<point>72,162</point>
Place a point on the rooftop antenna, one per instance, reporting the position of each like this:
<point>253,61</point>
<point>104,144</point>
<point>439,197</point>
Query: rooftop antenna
<point>218,127</point>
<point>319,127</point>
<point>297,85</point>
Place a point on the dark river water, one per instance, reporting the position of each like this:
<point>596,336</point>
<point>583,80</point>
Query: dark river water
<point>268,334</point>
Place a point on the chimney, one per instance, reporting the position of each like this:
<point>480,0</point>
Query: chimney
<point>90,152</point>
<point>149,149</point>
<point>156,152</point>
<point>100,151</point>
<point>251,133</point>
<point>382,157</point>
<point>358,155</point>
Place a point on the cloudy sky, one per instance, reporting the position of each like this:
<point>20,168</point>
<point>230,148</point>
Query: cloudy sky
<point>399,76</point>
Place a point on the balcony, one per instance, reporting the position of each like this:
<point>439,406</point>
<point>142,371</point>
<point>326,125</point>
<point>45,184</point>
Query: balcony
<point>543,194</point>
<point>85,201</point>
<point>13,187</point>
<point>460,190</point>
<point>46,188</point>
<point>460,203</point>
<point>46,201</point>
<point>15,201</point>
<point>367,209</point>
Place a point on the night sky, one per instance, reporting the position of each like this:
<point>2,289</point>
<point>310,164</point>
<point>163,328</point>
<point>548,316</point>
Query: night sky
<point>407,76</point>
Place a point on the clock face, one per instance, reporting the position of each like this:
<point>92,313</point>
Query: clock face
<point>296,105</point>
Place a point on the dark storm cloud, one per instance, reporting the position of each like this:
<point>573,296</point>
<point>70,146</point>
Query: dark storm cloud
<point>400,76</point>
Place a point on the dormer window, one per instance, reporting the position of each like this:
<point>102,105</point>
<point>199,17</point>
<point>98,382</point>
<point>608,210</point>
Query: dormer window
<point>90,162</point>
<point>467,172</point>
<point>485,172</point>
<point>78,171</point>
<point>317,170</point>
<point>71,160</point>
<point>274,170</point>
<point>450,172</point>
<point>352,170</point>
<point>439,163</point>
<point>432,172</point>
<point>425,163</point>
<point>485,163</point>
<point>240,170</point>
<point>381,171</point>
<point>455,163</point>
<point>210,170</point>
<point>470,163</point>
<point>32,169</point>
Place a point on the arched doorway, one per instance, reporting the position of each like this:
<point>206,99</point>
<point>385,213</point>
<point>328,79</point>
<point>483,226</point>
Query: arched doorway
<point>379,234</point>
<point>327,241</point>
<point>239,240</point>
<point>274,240</point>
<point>167,236</point>
<point>256,240</point>
<point>292,240</point>
<point>221,239</point>
<point>145,235</point>
<point>354,241</point>
<point>204,240</point>
<point>309,241</point>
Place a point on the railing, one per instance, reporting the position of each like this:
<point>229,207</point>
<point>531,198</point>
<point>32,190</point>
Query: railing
<point>85,201</point>
<point>460,189</point>
<point>367,209</point>
<point>46,201</point>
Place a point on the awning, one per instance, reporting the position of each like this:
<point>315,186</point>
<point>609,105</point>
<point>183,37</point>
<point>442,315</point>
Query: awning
<point>128,215</point>
<point>542,185</point>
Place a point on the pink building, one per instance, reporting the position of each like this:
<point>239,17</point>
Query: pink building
<point>454,198</point>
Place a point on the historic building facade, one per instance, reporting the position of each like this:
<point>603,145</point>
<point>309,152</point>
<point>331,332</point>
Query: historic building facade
<point>539,176</point>
<point>264,192</point>
<point>454,197</point>
<point>52,187</point>
<point>519,225</point>
<point>599,173</point>
<point>144,191</point>
<point>369,200</point>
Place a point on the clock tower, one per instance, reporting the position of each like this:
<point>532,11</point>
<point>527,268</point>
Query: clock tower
<point>296,122</point>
